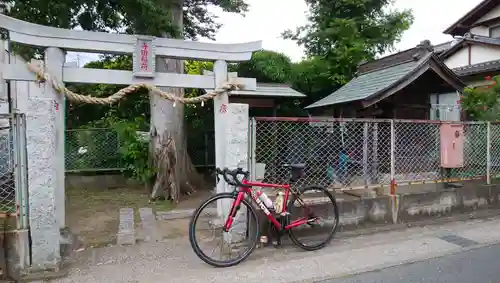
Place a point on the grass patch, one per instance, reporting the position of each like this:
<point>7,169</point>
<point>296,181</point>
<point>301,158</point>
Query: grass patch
<point>93,213</point>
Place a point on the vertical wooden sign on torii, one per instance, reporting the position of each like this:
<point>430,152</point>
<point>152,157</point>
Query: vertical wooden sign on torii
<point>144,57</point>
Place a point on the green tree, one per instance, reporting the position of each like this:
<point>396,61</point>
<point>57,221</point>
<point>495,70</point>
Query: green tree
<point>167,18</point>
<point>343,33</point>
<point>151,17</point>
<point>311,76</point>
<point>136,105</point>
<point>199,118</point>
<point>273,67</point>
<point>266,66</point>
<point>483,103</point>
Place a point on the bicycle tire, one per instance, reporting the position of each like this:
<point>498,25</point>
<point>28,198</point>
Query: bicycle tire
<point>194,244</point>
<point>291,207</point>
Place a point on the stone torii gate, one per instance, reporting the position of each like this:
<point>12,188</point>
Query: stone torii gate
<point>43,214</point>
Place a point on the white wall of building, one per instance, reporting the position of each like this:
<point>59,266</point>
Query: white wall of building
<point>484,53</point>
<point>459,59</point>
<point>480,30</point>
<point>478,54</point>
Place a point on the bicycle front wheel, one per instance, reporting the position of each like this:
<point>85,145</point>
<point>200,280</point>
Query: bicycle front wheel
<point>206,229</point>
<point>319,206</point>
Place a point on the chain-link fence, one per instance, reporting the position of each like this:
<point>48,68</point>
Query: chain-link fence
<point>418,152</point>
<point>201,148</point>
<point>92,150</point>
<point>495,150</point>
<point>342,152</point>
<point>96,149</point>
<point>7,180</point>
<point>350,153</point>
<point>13,174</point>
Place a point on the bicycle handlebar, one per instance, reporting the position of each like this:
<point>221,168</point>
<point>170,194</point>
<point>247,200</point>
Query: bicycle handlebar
<point>234,181</point>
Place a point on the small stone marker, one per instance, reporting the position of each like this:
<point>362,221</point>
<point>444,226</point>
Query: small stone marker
<point>149,225</point>
<point>126,230</point>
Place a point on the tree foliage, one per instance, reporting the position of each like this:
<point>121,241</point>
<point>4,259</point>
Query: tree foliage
<point>273,67</point>
<point>267,67</point>
<point>135,105</point>
<point>483,103</point>
<point>340,35</point>
<point>151,17</point>
<point>344,33</point>
<point>312,77</point>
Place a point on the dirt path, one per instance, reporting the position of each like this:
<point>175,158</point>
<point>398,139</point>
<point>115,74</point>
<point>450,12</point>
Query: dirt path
<point>93,214</point>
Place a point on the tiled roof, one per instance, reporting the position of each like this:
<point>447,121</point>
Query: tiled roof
<point>470,40</point>
<point>270,89</point>
<point>438,48</point>
<point>367,84</point>
<point>399,57</point>
<point>464,24</point>
<point>478,68</point>
<point>374,83</point>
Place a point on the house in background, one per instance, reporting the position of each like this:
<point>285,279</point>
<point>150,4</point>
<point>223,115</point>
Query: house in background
<point>475,52</point>
<point>400,86</point>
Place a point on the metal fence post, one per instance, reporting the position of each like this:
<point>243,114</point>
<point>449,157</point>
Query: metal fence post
<point>393,167</point>
<point>20,173</point>
<point>375,174</point>
<point>24,172</point>
<point>488,153</point>
<point>14,133</point>
<point>253,146</point>
<point>365,154</point>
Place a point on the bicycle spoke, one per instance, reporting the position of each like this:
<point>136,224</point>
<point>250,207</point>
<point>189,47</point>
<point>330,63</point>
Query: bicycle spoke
<point>322,219</point>
<point>223,247</point>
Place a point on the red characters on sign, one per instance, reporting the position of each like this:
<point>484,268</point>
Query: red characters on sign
<point>144,56</point>
<point>223,108</point>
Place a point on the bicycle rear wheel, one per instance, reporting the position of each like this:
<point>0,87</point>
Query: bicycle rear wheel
<point>321,229</point>
<point>245,228</point>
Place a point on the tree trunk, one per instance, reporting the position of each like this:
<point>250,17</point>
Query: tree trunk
<point>168,140</point>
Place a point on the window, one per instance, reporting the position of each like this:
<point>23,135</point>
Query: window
<point>495,32</point>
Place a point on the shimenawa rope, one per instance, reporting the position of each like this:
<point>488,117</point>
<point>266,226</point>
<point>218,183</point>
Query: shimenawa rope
<point>43,76</point>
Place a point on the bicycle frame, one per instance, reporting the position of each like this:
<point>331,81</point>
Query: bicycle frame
<point>246,189</point>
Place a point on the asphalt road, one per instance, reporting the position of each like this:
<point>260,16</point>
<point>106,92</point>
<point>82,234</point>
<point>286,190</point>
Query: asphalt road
<point>474,266</point>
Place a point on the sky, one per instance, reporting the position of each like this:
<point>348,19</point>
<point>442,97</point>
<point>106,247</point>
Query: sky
<point>267,19</point>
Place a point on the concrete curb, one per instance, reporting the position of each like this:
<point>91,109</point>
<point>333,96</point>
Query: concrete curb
<point>480,214</point>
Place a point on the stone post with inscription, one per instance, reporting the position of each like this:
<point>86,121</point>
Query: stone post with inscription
<point>220,118</point>
<point>236,134</point>
<point>45,170</point>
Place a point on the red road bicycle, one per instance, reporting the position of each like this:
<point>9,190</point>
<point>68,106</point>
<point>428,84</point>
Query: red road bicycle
<point>278,213</point>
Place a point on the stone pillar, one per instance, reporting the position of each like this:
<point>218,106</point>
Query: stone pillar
<point>43,108</point>
<point>236,134</point>
<point>221,103</point>
<point>55,58</point>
